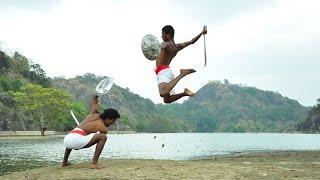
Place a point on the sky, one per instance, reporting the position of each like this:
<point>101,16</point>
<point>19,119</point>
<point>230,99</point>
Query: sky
<point>268,44</point>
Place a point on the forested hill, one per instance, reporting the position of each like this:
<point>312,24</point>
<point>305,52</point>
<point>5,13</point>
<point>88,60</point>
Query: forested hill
<point>137,113</point>
<point>217,107</point>
<point>230,107</point>
<point>29,100</point>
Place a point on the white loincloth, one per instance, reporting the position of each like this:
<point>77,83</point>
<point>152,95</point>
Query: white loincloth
<point>165,76</point>
<point>76,140</point>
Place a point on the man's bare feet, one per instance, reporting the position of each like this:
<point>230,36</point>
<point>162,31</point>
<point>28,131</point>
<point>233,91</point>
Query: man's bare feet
<point>64,164</point>
<point>185,72</point>
<point>96,166</point>
<point>188,92</point>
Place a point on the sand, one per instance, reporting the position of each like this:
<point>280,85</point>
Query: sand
<point>267,165</point>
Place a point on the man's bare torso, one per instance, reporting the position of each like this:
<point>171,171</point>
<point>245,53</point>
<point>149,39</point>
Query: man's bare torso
<point>168,51</point>
<point>92,124</point>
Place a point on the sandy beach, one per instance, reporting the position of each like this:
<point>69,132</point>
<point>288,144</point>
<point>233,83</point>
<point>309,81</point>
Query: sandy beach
<point>267,165</point>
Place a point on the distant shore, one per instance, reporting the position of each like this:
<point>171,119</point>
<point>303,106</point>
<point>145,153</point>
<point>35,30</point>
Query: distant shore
<point>263,165</point>
<point>29,133</point>
<point>48,133</point>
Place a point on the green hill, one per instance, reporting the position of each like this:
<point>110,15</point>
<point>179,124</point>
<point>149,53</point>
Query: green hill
<point>139,114</point>
<point>217,107</point>
<point>229,107</point>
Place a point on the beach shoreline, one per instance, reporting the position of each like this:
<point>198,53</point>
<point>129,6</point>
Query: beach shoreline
<point>48,133</point>
<point>253,165</point>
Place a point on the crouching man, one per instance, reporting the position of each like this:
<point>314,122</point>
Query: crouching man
<point>92,130</point>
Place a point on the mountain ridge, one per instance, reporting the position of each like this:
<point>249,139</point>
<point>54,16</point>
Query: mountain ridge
<point>223,107</point>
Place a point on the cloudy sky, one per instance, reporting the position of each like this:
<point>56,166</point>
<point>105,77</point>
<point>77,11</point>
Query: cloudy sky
<point>269,44</point>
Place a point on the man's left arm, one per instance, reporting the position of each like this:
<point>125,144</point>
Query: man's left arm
<point>195,39</point>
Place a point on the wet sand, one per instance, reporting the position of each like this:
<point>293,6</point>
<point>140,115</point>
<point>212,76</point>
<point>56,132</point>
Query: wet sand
<point>267,165</point>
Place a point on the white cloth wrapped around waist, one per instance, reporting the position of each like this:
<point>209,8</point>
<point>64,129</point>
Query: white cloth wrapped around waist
<point>164,75</point>
<point>77,139</point>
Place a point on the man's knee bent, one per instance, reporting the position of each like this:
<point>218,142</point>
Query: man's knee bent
<point>164,95</point>
<point>163,89</point>
<point>166,100</point>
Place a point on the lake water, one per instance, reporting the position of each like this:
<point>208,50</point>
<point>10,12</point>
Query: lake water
<point>18,153</point>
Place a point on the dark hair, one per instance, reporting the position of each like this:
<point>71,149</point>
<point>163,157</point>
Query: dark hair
<point>168,29</point>
<point>110,113</point>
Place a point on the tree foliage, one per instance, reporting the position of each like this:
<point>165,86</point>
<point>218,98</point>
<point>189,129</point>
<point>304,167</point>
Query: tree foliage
<point>312,122</point>
<point>38,101</point>
<point>45,106</point>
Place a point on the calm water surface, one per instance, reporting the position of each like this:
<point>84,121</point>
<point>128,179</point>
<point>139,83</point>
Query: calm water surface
<point>17,154</point>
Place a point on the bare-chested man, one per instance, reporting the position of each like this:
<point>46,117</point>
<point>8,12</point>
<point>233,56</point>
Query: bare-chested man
<point>165,77</point>
<point>92,130</point>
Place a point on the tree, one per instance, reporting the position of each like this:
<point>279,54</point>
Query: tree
<point>312,123</point>
<point>38,75</point>
<point>226,82</point>
<point>5,114</point>
<point>10,116</point>
<point>44,106</point>
<point>4,63</point>
<point>79,111</point>
<point>317,107</point>
<point>22,64</point>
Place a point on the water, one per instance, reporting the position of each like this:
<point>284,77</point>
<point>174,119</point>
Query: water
<point>18,154</point>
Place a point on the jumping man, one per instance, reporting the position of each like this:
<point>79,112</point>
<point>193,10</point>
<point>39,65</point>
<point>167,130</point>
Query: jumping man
<point>165,77</point>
